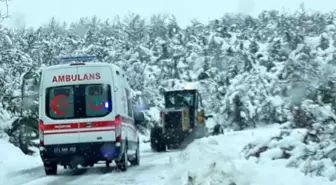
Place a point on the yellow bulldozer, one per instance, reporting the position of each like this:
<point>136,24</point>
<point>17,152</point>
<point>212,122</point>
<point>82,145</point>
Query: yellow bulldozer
<point>181,121</point>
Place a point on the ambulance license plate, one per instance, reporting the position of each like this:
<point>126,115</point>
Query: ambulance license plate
<point>65,149</point>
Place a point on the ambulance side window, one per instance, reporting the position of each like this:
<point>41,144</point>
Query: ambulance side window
<point>129,103</point>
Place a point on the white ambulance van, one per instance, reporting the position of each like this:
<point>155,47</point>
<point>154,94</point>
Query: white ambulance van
<point>86,116</point>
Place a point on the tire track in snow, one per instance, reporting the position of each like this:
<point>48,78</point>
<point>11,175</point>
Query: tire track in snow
<point>148,173</point>
<point>67,176</point>
<point>145,174</point>
<point>98,175</point>
<point>24,176</point>
<point>84,175</point>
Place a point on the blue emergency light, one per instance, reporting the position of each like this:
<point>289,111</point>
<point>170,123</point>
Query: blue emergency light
<point>140,107</point>
<point>77,59</point>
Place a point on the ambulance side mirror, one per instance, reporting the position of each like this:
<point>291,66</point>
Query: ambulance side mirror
<point>139,117</point>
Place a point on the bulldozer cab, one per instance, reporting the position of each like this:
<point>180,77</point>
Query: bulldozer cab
<point>185,98</point>
<point>182,120</point>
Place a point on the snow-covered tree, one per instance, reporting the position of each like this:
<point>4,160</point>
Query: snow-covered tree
<point>251,71</point>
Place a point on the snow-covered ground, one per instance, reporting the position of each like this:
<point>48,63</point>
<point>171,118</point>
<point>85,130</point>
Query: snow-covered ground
<point>216,160</point>
<point>12,159</point>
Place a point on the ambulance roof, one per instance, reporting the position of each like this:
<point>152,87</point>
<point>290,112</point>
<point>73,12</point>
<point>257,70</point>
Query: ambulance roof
<point>93,64</point>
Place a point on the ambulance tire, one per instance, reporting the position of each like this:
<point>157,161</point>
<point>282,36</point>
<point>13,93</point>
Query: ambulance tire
<point>136,160</point>
<point>50,169</point>
<point>122,164</point>
<point>156,141</point>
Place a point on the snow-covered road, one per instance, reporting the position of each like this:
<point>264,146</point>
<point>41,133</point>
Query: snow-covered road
<point>145,174</point>
<point>214,160</point>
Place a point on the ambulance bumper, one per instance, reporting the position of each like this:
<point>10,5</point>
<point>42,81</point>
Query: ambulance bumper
<point>83,153</point>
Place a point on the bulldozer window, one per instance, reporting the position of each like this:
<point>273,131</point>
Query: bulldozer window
<point>180,99</point>
<point>189,99</point>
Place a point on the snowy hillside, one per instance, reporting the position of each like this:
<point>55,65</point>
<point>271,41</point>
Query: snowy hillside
<point>251,71</point>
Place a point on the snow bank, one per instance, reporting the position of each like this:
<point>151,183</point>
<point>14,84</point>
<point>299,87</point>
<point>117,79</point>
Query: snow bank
<point>12,159</point>
<point>217,161</point>
<point>154,114</point>
<point>5,119</point>
<point>292,149</point>
<point>307,142</point>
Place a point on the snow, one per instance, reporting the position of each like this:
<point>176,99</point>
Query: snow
<point>300,154</point>
<point>6,120</point>
<point>2,71</point>
<point>154,113</point>
<point>216,63</point>
<point>211,122</point>
<point>12,159</point>
<point>215,160</point>
<point>276,100</point>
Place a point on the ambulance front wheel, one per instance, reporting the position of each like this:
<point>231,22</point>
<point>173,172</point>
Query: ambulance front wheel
<point>122,164</point>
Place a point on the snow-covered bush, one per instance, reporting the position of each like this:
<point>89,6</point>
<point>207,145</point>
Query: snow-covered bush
<point>308,142</point>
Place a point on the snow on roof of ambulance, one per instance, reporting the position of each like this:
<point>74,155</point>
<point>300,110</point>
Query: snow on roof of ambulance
<point>58,66</point>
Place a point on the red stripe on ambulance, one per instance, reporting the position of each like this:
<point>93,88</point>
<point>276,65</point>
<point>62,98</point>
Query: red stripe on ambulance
<point>77,127</point>
<point>63,126</point>
<point>79,131</point>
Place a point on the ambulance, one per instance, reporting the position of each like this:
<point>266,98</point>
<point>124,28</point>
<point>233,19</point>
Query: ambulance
<point>86,116</point>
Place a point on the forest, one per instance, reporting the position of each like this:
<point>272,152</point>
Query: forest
<point>276,68</point>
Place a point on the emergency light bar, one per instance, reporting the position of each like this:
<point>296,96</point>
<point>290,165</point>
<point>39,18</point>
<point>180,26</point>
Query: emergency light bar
<point>140,107</point>
<point>78,59</point>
